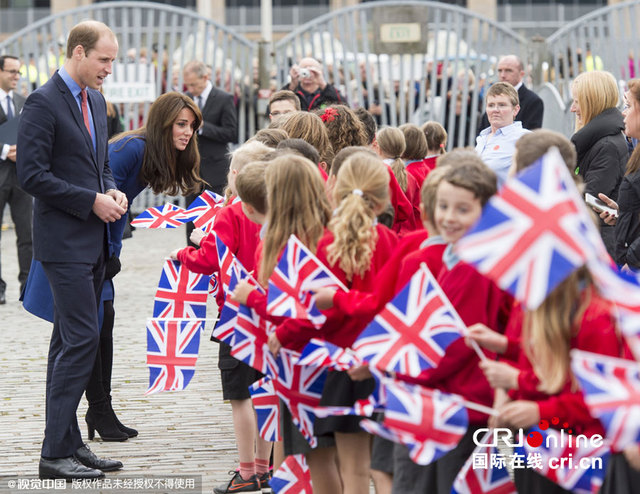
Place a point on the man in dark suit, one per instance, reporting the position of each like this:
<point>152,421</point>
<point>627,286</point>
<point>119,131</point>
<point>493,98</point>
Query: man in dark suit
<point>19,201</point>
<point>63,163</point>
<point>219,127</point>
<point>511,70</point>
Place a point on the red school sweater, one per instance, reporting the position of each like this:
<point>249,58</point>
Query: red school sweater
<point>237,232</point>
<point>595,332</point>
<point>367,303</point>
<point>477,300</point>
<point>339,329</point>
<point>404,220</point>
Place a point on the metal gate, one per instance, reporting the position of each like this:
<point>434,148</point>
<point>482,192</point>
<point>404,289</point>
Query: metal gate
<point>155,42</point>
<point>606,39</point>
<point>452,60</point>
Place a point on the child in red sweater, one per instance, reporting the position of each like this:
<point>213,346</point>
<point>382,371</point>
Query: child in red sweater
<point>241,236</point>
<point>461,194</point>
<point>390,145</point>
<point>436,137</point>
<point>296,204</point>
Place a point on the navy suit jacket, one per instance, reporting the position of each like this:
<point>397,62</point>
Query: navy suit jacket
<point>59,167</point>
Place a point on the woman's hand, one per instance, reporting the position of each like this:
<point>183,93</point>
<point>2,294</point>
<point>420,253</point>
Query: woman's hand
<point>242,291</point>
<point>174,254</point>
<point>609,219</point>
<point>499,374</point>
<point>519,414</point>
<point>486,338</point>
<point>274,344</point>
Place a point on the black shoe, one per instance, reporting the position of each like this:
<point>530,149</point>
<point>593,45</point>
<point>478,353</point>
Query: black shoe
<point>100,418</point>
<point>89,459</point>
<point>238,484</point>
<point>3,298</point>
<point>265,485</point>
<point>66,468</point>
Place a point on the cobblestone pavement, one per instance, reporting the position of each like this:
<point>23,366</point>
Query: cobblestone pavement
<point>181,433</point>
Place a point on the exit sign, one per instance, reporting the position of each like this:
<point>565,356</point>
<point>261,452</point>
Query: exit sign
<point>400,33</point>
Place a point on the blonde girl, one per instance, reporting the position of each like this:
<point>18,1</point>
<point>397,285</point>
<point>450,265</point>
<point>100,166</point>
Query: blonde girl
<point>355,247</point>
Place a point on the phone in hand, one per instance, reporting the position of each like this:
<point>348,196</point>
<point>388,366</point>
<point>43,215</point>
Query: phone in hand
<point>599,205</point>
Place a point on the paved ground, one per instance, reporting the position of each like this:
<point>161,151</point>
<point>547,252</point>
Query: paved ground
<point>181,433</point>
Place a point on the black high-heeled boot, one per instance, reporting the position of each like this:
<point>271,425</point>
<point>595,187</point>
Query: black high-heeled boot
<point>100,418</point>
<point>123,428</point>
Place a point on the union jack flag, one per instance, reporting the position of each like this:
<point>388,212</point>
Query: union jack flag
<point>413,331</point>
<point>623,289</point>
<point>167,216</point>
<point>203,210</point>
<point>533,233</point>
<point>181,293</point>
<point>492,477</point>
<point>267,406</point>
<point>224,329</point>
<point>611,389</point>
<point>297,273</point>
<point>225,261</point>
<point>172,352</point>
<point>429,422</point>
<point>322,353</point>
<point>579,469</point>
<point>293,477</point>
<point>213,286</point>
<point>300,387</point>
<point>250,341</point>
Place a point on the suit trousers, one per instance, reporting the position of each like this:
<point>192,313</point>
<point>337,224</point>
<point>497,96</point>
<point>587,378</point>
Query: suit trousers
<point>21,207</point>
<point>76,289</point>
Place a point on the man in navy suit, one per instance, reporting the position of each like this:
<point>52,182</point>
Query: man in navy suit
<point>20,203</point>
<point>63,163</point>
<point>511,70</point>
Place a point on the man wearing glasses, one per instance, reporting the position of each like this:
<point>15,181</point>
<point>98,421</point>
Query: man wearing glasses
<point>20,203</point>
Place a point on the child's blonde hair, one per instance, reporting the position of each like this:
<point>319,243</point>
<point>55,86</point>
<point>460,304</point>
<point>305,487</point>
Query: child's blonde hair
<point>547,331</point>
<point>362,188</point>
<point>296,204</point>
<point>416,143</point>
<point>392,145</point>
<point>436,136</point>
<point>429,190</point>
<point>251,187</point>
<point>245,154</point>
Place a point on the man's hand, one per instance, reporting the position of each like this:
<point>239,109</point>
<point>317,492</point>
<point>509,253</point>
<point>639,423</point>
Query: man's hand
<point>12,153</point>
<point>119,197</point>
<point>318,77</point>
<point>295,77</point>
<point>107,209</point>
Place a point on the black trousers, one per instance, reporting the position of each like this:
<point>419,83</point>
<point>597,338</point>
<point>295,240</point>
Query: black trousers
<point>76,291</point>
